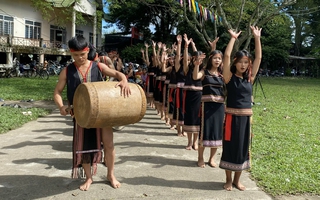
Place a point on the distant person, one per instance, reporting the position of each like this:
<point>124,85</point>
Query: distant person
<point>130,73</point>
<point>106,60</point>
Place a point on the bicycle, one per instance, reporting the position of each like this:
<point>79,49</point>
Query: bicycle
<point>40,71</point>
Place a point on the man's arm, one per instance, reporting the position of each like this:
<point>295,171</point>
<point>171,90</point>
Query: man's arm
<point>57,97</point>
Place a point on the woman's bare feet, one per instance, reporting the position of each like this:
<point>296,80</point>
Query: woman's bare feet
<point>189,147</point>
<point>201,163</point>
<point>86,185</point>
<point>195,146</point>
<point>239,186</point>
<point>114,182</point>
<point>228,186</point>
<point>211,163</point>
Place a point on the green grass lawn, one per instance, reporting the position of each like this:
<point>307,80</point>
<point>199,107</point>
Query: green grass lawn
<point>23,89</point>
<point>286,142</point>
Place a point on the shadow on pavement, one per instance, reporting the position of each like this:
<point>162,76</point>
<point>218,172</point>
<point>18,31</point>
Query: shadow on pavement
<point>34,187</point>
<point>189,184</point>
<point>157,161</point>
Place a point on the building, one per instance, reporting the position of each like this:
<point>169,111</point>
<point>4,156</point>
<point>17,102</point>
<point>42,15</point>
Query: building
<point>26,34</point>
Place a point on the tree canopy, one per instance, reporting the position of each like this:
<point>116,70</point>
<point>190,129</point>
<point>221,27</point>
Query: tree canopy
<point>284,30</point>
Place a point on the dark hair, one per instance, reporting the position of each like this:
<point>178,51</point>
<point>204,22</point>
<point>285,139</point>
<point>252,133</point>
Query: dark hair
<point>92,53</point>
<point>209,61</point>
<point>194,56</point>
<point>101,53</point>
<point>77,43</point>
<point>237,57</point>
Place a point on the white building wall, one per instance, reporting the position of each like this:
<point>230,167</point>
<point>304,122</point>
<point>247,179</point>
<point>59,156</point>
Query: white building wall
<point>86,6</point>
<point>21,13</point>
<point>25,11</point>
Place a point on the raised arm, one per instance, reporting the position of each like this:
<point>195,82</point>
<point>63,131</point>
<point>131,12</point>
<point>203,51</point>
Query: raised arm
<point>158,59</point>
<point>185,53</point>
<point>143,56</point>
<point>197,74</point>
<point>213,44</point>
<point>154,53</point>
<point>164,60</point>
<point>258,52</point>
<point>147,54</point>
<point>193,45</point>
<point>178,53</point>
<point>227,55</point>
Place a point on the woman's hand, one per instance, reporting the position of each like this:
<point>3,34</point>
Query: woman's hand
<point>256,31</point>
<point>213,44</point>
<point>179,38</point>
<point>234,34</point>
<point>186,40</point>
<point>153,43</point>
<point>199,59</point>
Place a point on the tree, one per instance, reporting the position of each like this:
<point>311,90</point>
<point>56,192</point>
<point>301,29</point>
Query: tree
<point>59,12</point>
<point>276,42</point>
<point>302,14</point>
<point>238,15</point>
<point>142,14</point>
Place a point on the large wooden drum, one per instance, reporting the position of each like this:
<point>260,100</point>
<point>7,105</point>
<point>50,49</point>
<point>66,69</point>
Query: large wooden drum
<point>99,104</point>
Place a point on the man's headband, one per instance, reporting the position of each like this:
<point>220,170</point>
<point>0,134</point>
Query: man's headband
<point>84,49</point>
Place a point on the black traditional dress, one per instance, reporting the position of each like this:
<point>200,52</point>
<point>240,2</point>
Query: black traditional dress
<point>213,109</point>
<point>171,92</point>
<point>178,117</point>
<point>149,86</point>
<point>236,139</point>
<point>192,102</point>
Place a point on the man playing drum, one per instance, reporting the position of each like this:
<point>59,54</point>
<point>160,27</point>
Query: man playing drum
<point>87,142</point>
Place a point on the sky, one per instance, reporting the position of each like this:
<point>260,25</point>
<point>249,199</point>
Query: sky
<point>114,27</point>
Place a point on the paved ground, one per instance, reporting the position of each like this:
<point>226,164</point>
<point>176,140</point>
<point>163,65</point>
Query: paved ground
<point>151,163</point>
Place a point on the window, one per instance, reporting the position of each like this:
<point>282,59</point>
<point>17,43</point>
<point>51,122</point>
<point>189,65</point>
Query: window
<point>33,30</point>
<point>58,36</point>
<point>79,33</point>
<point>6,25</point>
<point>91,38</point>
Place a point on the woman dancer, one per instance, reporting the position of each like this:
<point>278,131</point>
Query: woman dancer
<point>239,77</point>
<point>212,112</point>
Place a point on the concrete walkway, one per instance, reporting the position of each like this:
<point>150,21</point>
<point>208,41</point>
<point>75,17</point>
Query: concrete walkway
<point>151,163</point>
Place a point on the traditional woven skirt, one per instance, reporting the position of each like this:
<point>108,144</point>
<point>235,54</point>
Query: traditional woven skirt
<point>170,99</point>
<point>156,92</point>
<point>165,94</point>
<point>212,116</point>
<point>192,103</point>
<point>149,86</point>
<point>235,149</point>
<point>86,147</point>
<point>178,116</point>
